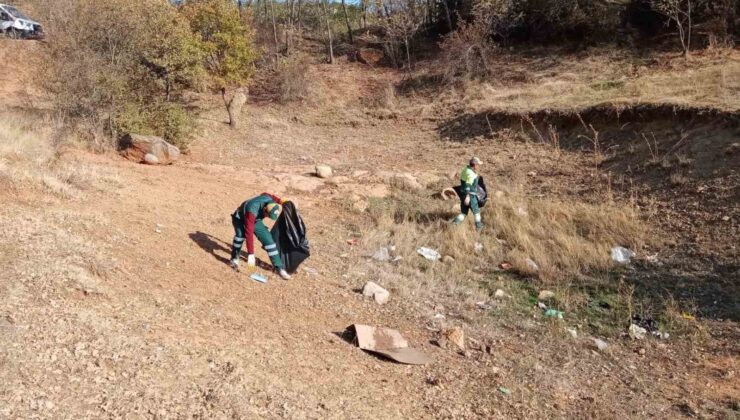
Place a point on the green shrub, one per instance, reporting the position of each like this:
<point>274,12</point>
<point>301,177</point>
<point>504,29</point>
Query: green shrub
<point>227,40</point>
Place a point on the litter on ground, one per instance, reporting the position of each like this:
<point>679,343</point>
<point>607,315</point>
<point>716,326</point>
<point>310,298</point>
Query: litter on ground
<point>622,255</point>
<point>429,253</point>
<point>258,278</point>
<point>389,343</point>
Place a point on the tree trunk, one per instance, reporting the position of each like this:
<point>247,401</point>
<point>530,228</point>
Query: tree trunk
<point>298,17</point>
<point>447,15</point>
<point>274,31</point>
<point>363,5</point>
<point>234,106</point>
<point>346,19</point>
<point>408,52</point>
<point>241,9</point>
<point>328,32</point>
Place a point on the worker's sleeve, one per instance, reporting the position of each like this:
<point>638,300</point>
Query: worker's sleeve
<point>274,198</point>
<point>249,231</point>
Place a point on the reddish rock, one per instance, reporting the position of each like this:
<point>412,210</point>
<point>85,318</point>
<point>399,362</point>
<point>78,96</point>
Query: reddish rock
<point>136,147</point>
<point>370,56</point>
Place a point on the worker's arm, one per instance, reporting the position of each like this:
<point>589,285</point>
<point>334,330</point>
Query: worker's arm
<point>274,198</point>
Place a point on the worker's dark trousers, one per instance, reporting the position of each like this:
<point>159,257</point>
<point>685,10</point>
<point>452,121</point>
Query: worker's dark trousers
<point>262,234</point>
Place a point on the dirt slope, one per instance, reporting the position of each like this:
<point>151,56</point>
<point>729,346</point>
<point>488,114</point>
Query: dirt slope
<point>119,303</point>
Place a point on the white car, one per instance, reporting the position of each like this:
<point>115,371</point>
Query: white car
<point>15,24</point>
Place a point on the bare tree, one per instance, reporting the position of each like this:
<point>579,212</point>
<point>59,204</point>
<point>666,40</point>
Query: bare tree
<point>346,20</point>
<point>402,21</point>
<point>680,12</point>
<point>328,32</point>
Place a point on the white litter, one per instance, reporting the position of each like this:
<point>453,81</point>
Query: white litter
<point>532,265</point>
<point>384,254</point>
<point>622,255</point>
<point>428,253</point>
<point>478,247</point>
<point>636,332</point>
<point>573,332</point>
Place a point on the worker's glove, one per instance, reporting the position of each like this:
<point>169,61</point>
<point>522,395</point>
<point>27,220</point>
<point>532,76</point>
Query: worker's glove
<point>251,261</point>
<point>467,200</point>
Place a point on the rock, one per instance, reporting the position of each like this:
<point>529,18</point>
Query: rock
<point>369,56</point>
<point>381,297</point>
<point>546,295</point>
<point>378,293</point>
<point>456,336</point>
<point>600,345</point>
<point>299,182</point>
<point>499,294</point>
<point>135,148</point>
<point>573,332</point>
<point>150,159</point>
<point>406,182</point>
<point>324,171</point>
<point>732,149</point>
<point>448,259</point>
<point>636,332</point>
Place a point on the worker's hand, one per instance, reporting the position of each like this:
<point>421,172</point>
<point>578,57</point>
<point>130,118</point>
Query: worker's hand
<point>251,261</point>
<point>467,200</point>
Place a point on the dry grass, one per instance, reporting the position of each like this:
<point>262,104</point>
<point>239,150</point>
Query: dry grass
<point>30,157</point>
<point>565,240</point>
<point>576,83</point>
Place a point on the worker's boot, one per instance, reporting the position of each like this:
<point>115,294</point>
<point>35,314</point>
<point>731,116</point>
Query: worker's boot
<point>478,223</point>
<point>459,219</point>
<point>234,264</point>
<point>284,274</point>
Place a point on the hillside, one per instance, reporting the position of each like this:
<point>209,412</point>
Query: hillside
<point>117,300</point>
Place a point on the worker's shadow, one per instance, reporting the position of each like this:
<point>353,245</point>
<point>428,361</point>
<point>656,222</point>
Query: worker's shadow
<point>215,246</point>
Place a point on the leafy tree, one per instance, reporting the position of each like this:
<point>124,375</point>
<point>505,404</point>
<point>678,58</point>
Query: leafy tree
<point>226,39</point>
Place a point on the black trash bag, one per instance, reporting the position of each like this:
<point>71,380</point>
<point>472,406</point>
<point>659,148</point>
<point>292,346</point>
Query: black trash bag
<point>289,233</point>
<point>482,192</point>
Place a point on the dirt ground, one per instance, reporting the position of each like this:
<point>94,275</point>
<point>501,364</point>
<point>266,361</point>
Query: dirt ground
<point>120,303</point>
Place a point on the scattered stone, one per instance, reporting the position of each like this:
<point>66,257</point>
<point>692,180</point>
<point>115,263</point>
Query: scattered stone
<point>456,336</point>
<point>505,266</point>
<point>573,332</point>
<point>531,173</point>
<point>406,182</point>
<point>725,218</point>
<point>485,306</point>
<point>135,148</point>
<point>636,332</point>
<point>378,293</point>
<point>732,149</point>
<point>499,294</point>
<point>150,159</point>
<point>324,171</point>
<point>448,259</point>
<point>546,295</point>
<point>600,345</point>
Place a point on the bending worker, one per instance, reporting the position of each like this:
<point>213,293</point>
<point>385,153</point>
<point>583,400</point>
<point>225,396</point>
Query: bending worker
<point>247,221</point>
<point>469,193</point>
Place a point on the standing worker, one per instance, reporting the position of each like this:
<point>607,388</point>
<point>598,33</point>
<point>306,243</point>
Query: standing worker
<point>469,193</point>
<point>247,221</point>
